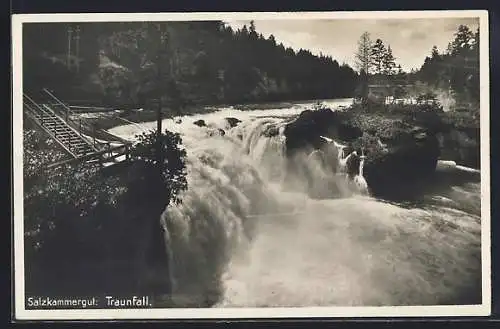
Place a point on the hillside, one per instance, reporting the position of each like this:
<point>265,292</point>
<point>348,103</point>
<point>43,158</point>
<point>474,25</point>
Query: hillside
<point>198,62</point>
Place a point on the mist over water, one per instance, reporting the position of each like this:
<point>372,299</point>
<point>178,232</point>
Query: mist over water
<point>241,239</point>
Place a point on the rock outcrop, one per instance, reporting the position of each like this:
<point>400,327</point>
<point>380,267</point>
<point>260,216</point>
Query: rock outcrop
<point>200,123</point>
<point>233,122</point>
<point>398,153</point>
<point>461,146</point>
<point>460,142</point>
<point>306,130</point>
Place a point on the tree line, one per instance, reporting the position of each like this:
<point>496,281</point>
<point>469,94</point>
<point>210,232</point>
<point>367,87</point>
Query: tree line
<point>183,62</point>
<point>375,57</point>
<point>454,71</point>
<point>376,64</point>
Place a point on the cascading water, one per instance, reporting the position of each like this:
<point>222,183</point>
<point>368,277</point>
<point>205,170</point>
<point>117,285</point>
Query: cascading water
<point>239,239</point>
<point>358,184</point>
<point>359,179</point>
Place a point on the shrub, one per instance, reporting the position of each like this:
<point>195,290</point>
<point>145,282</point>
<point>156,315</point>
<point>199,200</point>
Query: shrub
<point>462,120</point>
<point>173,168</point>
<point>80,215</point>
<point>38,151</point>
<point>66,201</point>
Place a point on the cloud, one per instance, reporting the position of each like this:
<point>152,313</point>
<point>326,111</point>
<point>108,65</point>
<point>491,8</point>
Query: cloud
<point>452,25</point>
<point>395,23</point>
<point>418,35</point>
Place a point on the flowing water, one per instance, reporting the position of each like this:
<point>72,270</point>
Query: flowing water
<point>241,239</point>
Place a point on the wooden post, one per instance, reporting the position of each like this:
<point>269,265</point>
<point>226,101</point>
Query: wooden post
<point>93,133</point>
<point>67,115</point>
<point>42,117</point>
<point>159,156</point>
<point>80,126</point>
<point>70,30</point>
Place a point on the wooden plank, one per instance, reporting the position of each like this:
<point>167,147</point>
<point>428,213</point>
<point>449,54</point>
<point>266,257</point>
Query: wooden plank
<point>68,110</point>
<point>62,136</point>
<point>90,109</point>
<point>91,156</point>
<point>53,116</point>
<point>81,149</point>
<point>77,134</point>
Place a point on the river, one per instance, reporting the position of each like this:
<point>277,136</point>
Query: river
<point>240,239</point>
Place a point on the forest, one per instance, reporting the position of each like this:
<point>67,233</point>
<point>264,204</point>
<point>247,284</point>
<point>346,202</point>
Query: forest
<point>207,62</point>
<point>455,69</point>
<point>452,73</point>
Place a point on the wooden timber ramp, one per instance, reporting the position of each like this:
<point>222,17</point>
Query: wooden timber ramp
<point>55,118</point>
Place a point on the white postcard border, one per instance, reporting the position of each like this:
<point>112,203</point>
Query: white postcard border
<point>230,313</point>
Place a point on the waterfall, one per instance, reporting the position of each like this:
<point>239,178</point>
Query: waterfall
<point>267,152</point>
<point>240,238</point>
<point>359,179</point>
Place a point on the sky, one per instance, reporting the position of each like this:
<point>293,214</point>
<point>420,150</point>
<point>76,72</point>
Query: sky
<point>411,40</point>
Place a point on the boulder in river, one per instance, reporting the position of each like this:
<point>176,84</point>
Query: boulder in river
<point>306,129</point>
<point>398,154</point>
<point>457,131</point>
<point>200,123</point>
<point>461,147</point>
<point>216,131</point>
<point>233,122</point>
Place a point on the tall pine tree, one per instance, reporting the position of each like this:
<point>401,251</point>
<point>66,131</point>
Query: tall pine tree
<point>363,54</point>
<point>378,53</point>
<point>389,62</point>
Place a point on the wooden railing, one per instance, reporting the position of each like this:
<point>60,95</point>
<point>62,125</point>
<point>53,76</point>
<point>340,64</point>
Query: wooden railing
<point>103,151</point>
<point>41,124</point>
<point>64,109</point>
<point>49,112</point>
<point>91,109</point>
<point>67,113</point>
<point>109,154</point>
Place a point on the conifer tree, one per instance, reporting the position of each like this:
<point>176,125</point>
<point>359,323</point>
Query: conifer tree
<point>389,62</point>
<point>363,54</point>
<point>378,53</point>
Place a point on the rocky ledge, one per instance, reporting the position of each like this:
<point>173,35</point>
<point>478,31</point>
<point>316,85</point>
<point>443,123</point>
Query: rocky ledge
<point>402,146</point>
